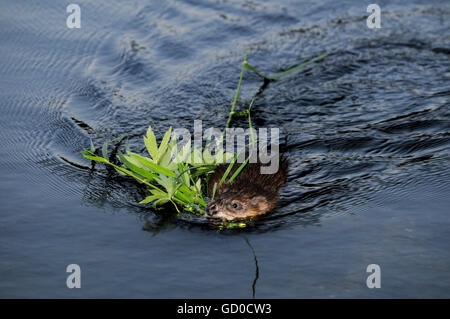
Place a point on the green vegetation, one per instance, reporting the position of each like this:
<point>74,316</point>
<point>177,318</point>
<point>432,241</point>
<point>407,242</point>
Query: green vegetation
<point>178,175</point>
<point>172,175</point>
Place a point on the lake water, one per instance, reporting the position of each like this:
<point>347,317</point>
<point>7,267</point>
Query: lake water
<point>367,132</point>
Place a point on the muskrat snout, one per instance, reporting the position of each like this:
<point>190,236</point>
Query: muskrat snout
<point>211,210</point>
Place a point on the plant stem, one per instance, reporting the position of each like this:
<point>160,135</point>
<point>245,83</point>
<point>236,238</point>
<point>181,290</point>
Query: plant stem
<point>237,91</point>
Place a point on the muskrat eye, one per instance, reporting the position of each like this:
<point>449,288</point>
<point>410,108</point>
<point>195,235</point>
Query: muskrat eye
<point>236,205</point>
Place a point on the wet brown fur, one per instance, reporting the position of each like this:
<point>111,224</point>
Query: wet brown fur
<point>254,193</point>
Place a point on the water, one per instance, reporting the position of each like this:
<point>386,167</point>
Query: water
<point>367,129</point>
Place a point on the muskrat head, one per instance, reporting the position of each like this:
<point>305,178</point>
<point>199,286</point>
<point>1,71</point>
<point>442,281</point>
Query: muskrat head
<point>237,207</point>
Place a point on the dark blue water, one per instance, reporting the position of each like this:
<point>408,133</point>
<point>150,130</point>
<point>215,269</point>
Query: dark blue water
<point>367,132</point>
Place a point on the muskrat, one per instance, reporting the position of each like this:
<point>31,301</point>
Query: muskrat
<point>250,194</point>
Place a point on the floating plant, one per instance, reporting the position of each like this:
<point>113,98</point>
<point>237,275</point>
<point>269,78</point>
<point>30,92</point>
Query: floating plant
<point>179,175</point>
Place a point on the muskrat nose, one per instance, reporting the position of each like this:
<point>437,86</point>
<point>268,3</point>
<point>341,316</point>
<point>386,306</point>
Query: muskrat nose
<point>212,210</point>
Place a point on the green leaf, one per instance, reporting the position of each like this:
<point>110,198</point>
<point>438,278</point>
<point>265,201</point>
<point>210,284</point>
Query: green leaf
<point>105,150</point>
<point>198,186</point>
<point>168,183</point>
<point>236,173</point>
<point>182,154</point>
<point>214,191</point>
<point>222,157</point>
<point>195,158</point>
<point>91,155</point>
<point>202,170</point>
<point>149,199</point>
<point>160,202</point>
<point>184,197</point>
<point>152,166</point>
<point>208,158</point>
<point>230,166</point>
<point>129,163</point>
<point>184,175</point>
<point>150,143</point>
<point>164,143</point>
<point>155,195</point>
<point>166,161</point>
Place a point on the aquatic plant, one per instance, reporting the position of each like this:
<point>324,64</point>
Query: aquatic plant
<point>178,175</point>
<point>173,175</point>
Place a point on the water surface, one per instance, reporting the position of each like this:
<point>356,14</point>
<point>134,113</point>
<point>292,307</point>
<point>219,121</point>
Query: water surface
<point>367,132</point>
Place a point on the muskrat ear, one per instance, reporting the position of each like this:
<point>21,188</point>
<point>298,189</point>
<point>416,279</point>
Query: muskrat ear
<point>260,202</point>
